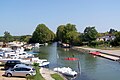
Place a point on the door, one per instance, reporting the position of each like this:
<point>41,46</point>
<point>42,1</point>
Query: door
<point>16,72</point>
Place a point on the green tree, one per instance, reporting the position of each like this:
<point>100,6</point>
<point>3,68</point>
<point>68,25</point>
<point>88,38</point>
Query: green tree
<point>60,32</point>
<point>67,33</point>
<point>90,34</point>
<point>42,34</point>
<point>73,37</point>
<point>7,37</point>
<point>112,31</point>
<point>116,41</point>
<point>25,38</point>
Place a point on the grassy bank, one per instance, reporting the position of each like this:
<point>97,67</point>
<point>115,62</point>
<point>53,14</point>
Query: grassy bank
<point>56,76</point>
<point>38,76</point>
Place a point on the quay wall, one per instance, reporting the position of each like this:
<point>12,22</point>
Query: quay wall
<point>81,50</point>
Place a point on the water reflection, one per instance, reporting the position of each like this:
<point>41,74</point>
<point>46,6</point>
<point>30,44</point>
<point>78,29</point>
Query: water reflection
<point>90,63</point>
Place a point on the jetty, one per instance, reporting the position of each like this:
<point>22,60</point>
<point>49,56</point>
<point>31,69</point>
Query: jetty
<point>108,54</point>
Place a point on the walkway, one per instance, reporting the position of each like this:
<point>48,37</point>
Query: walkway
<point>46,73</point>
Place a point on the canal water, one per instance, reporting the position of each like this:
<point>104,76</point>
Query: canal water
<point>92,68</point>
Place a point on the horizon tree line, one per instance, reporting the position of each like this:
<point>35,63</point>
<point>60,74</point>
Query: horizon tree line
<point>66,34</point>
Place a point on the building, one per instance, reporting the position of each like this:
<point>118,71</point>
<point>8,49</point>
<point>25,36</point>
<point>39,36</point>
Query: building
<point>106,38</point>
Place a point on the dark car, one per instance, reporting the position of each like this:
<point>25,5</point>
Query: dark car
<point>11,64</point>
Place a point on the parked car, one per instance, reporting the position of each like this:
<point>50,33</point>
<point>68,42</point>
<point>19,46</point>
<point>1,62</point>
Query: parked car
<point>20,65</point>
<point>11,64</point>
<point>20,71</point>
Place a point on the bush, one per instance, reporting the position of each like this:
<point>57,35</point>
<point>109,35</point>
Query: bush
<point>35,64</point>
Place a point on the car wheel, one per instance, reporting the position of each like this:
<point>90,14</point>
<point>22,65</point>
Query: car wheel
<point>27,75</point>
<point>9,74</point>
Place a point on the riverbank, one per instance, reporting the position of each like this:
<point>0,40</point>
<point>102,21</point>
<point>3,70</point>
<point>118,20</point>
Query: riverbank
<point>110,54</point>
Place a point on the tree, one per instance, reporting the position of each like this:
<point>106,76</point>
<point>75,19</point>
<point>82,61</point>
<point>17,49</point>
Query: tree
<point>60,32</point>
<point>67,33</point>
<point>25,38</point>
<point>116,41</point>
<point>42,34</point>
<point>112,31</point>
<point>90,34</point>
<point>7,37</point>
<point>73,37</point>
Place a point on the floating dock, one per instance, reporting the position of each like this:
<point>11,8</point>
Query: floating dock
<point>114,58</point>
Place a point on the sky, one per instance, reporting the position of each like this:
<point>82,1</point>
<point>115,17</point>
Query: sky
<point>21,17</point>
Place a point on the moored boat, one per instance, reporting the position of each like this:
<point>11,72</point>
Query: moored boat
<point>66,71</point>
<point>95,53</point>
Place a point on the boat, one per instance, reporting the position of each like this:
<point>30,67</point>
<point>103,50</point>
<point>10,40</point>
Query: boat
<point>24,54</point>
<point>66,71</point>
<point>4,60</point>
<point>95,53</point>
<point>42,62</point>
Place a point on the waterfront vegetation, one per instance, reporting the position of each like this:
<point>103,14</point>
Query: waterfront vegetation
<point>56,76</point>
<point>38,76</point>
<point>68,34</point>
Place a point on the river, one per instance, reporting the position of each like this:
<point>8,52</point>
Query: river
<point>92,68</point>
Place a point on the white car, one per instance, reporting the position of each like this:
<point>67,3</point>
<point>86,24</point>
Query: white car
<point>20,71</point>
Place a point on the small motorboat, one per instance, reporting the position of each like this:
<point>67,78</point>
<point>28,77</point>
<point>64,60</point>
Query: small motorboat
<point>43,63</point>
<point>95,53</point>
<point>66,71</point>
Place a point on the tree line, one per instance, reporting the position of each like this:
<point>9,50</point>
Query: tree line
<point>66,34</point>
<point>9,38</point>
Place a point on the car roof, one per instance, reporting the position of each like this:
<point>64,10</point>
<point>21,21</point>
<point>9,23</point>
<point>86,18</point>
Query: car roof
<point>24,67</point>
<point>20,65</point>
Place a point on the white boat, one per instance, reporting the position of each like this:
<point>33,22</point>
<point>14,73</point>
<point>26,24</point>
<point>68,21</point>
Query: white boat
<point>42,62</point>
<point>66,71</point>
<point>4,60</point>
<point>24,54</point>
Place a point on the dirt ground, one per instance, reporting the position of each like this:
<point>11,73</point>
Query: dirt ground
<point>8,78</point>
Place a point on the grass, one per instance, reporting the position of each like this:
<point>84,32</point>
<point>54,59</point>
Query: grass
<point>38,76</point>
<point>56,76</point>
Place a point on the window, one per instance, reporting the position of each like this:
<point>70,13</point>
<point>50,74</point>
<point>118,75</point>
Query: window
<point>25,69</point>
<point>17,69</point>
